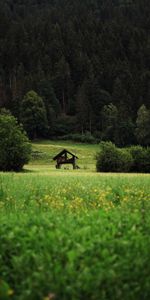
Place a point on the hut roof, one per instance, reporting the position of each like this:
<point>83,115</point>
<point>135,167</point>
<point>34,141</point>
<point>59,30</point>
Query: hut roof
<point>63,152</point>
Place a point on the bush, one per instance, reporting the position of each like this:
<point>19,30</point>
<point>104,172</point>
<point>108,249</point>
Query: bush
<point>112,159</point>
<point>15,148</point>
<point>125,160</point>
<point>82,138</point>
<point>141,159</point>
<point>88,138</point>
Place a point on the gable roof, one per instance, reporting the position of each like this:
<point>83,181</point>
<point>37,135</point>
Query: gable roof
<point>63,152</point>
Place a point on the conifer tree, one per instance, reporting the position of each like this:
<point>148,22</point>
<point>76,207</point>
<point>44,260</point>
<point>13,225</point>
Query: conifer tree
<point>143,126</point>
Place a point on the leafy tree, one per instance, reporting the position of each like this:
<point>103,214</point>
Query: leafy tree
<point>33,115</point>
<point>143,126</point>
<point>15,148</point>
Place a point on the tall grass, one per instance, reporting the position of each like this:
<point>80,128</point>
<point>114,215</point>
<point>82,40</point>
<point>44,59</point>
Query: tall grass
<point>74,235</point>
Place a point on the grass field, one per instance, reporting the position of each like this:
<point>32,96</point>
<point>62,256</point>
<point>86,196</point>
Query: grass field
<point>71,235</point>
<point>47,150</point>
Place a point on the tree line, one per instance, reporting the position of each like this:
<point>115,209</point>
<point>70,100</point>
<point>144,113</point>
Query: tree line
<point>69,67</point>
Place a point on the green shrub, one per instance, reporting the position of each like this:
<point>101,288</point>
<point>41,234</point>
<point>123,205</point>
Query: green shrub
<point>141,159</point>
<point>77,137</point>
<point>112,159</point>
<point>87,138</point>
<point>15,148</point>
<point>125,160</point>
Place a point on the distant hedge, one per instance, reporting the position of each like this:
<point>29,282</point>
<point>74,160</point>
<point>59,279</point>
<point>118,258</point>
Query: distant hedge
<point>81,138</point>
<point>113,159</point>
<point>141,159</point>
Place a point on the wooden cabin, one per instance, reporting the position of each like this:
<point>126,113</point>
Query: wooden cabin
<point>65,157</point>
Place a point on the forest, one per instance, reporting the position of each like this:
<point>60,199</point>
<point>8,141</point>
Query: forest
<point>77,68</point>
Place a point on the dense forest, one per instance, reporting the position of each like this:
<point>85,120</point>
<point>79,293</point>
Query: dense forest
<point>77,68</point>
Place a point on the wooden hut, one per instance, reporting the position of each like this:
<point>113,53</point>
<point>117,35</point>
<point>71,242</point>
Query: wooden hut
<point>65,157</point>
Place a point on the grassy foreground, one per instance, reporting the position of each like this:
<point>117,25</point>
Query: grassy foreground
<point>72,235</point>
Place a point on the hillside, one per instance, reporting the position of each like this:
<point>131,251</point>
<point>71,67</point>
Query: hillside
<point>79,56</point>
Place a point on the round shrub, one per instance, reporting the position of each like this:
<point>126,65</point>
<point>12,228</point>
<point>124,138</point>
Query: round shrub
<point>141,159</point>
<point>107,158</point>
<point>112,159</point>
<point>15,148</point>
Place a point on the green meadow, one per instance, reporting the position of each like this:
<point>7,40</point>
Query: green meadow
<point>73,234</point>
<point>44,151</point>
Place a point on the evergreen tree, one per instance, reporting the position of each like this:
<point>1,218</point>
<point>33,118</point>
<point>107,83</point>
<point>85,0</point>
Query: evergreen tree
<point>84,112</point>
<point>56,47</point>
<point>62,81</point>
<point>52,104</point>
<point>109,120</point>
<point>143,126</point>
